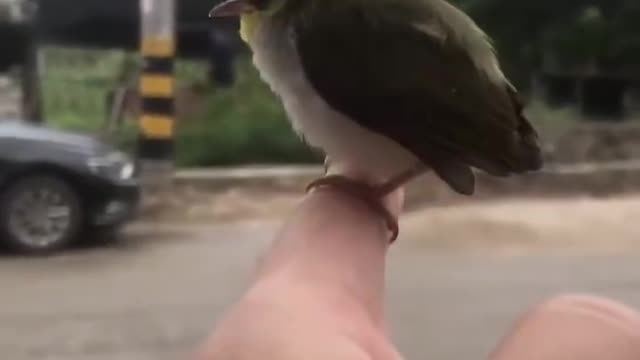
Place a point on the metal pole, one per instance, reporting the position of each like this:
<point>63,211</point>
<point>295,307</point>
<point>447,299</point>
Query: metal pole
<point>157,89</point>
<point>31,87</point>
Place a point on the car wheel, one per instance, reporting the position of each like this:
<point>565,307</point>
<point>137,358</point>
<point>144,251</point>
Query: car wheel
<point>39,214</point>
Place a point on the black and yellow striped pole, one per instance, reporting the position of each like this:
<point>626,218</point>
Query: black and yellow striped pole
<point>157,84</point>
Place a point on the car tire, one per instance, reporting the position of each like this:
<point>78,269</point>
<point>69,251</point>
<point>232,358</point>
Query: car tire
<point>39,215</point>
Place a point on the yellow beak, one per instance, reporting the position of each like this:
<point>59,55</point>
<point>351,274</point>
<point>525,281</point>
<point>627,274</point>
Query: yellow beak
<point>232,8</point>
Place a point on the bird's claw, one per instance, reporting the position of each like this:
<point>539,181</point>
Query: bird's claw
<point>368,194</point>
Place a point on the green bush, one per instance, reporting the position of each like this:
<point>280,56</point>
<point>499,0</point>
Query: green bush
<point>75,86</point>
<point>240,125</point>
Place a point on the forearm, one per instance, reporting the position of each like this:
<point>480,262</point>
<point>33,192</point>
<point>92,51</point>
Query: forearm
<point>332,232</point>
<point>332,244</point>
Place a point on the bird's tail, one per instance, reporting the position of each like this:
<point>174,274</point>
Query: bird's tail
<point>524,155</point>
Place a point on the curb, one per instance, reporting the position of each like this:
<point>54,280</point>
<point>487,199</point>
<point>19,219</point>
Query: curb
<point>284,178</point>
<point>595,179</point>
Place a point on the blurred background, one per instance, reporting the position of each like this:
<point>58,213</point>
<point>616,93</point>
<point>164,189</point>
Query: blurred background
<point>146,166</point>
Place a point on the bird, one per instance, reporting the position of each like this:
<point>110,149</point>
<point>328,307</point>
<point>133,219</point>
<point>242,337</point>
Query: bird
<point>388,90</point>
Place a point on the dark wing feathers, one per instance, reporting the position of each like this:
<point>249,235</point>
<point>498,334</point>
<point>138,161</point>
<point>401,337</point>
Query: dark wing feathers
<point>423,92</point>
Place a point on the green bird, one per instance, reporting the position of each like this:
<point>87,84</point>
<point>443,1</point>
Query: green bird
<point>389,89</point>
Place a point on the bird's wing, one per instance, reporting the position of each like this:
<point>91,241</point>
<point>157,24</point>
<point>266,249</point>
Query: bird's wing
<point>418,86</point>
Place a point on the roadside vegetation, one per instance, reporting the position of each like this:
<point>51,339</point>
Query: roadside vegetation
<point>242,125</point>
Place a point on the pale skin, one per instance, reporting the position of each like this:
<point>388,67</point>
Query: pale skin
<point>318,293</point>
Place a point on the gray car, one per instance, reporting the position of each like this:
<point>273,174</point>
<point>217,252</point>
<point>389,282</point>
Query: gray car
<point>57,188</point>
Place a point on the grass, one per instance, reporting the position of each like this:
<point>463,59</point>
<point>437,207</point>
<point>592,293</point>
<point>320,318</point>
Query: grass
<point>75,85</point>
<point>242,125</point>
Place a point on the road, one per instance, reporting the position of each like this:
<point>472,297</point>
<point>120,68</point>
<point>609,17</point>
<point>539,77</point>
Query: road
<point>457,279</point>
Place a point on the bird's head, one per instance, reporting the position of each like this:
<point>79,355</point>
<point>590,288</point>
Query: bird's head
<point>251,12</point>
<point>243,7</point>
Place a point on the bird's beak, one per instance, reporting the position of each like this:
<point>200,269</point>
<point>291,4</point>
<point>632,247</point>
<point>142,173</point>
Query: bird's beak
<point>232,8</point>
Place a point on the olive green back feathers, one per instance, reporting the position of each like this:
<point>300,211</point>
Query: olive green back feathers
<point>421,73</point>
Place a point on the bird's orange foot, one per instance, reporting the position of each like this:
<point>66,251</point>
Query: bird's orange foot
<point>368,194</point>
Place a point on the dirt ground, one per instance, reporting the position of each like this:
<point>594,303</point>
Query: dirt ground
<point>525,226</point>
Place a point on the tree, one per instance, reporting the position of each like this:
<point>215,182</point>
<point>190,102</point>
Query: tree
<point>567,34</point>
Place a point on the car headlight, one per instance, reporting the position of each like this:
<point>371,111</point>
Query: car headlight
<point>114,165</point>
